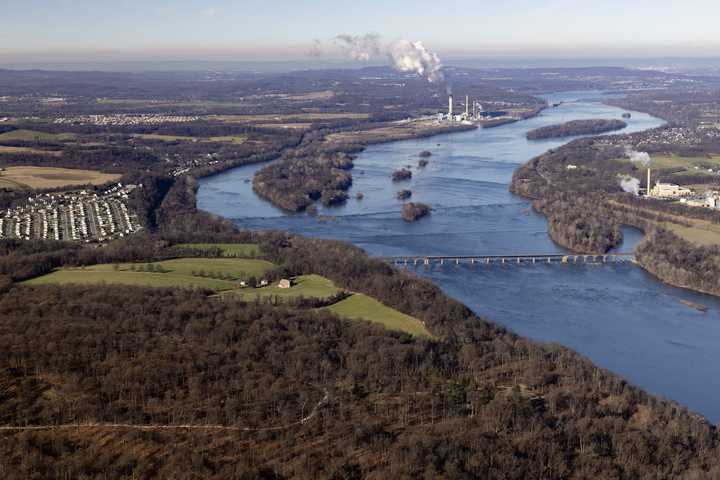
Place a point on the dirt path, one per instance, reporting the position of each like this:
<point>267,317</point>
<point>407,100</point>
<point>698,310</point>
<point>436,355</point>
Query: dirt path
<point>130,426</point>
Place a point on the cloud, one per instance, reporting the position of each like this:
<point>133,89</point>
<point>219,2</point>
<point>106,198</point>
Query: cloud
<point>210,12</point>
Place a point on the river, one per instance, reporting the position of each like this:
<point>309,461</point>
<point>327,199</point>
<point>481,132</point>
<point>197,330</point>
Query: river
<point>617,315</point>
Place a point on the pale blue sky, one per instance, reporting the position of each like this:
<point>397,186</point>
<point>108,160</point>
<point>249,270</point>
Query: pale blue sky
<point>285,29</point>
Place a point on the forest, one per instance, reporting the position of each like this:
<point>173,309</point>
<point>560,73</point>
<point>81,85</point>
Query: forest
<point>474,401</point>
<point>294,184</point>
<point>575,127</point>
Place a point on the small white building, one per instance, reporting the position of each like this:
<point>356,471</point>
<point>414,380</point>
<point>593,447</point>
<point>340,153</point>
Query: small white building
<point>284,283</point>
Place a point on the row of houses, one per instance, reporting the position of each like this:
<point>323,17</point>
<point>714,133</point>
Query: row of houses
<point>75,216</point>
<point>122,119</point>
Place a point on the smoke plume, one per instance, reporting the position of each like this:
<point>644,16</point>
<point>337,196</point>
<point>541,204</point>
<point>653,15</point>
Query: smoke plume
<point>359,47</point>
<point>639,157</point>
<point>404,55</point>
<point>316,49</point>
<point>409,56</point>
<point>630,184</point>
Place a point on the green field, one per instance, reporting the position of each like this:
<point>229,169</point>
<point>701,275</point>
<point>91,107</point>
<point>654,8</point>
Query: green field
<point>178,273</point>
<point>242,250</point>
<point>688,163</point>
<point>237,139</point>
<point>362,307</point>
<point>31,136</point>
<point>309,286</point>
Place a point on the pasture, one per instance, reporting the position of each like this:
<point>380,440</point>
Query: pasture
<point>232,250</point>
<point>34,136</point>
<point>216,274</point>
<point>361,307</point>
<point>52,177</point>
<point>235,139</point>
<point>307,286</point>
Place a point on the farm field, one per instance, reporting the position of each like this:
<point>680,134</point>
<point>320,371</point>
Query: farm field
<point>237,139</point>
<point>52,177</point>
<point>228,249</point>
<point>176,273</point>
<point>305,285</point>
<point>32,135</point>
<point>284,117</point>
<point>36,151</point>
<point>688,163</point>
<point>361,307</point>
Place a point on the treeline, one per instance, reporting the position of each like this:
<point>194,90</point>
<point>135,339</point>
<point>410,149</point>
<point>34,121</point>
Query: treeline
<point>295,184</point>
<point>576,127</point>
<point>680,263</point>
<point>474,402</point>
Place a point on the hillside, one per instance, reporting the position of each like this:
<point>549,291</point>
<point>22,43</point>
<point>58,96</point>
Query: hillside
<point>474,401</point>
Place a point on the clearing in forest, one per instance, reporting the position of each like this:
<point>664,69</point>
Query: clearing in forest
<point>361,307</point>
<point>216,274</point>
<point>237,250</point>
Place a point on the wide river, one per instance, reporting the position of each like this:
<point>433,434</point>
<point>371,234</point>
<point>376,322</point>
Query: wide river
<point>617,315</point>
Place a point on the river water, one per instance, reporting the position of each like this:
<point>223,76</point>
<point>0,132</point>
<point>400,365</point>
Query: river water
<point>617,315</point>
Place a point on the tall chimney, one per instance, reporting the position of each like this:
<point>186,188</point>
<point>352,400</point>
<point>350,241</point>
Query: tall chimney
<point>648,183</point>
<point>467,106</point>
<point>450,107</point>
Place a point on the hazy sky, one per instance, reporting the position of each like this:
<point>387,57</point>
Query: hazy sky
<point>285,29</point>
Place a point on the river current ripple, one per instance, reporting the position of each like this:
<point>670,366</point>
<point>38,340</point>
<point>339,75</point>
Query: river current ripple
<point>617,315</point>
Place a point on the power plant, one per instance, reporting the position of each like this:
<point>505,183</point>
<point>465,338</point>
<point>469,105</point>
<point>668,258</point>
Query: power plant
<point>467,116</point>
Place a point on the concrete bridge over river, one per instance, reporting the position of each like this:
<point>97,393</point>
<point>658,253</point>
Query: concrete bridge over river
<point>519,259</point>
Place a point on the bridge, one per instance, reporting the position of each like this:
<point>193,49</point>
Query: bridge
<point>415,260</point>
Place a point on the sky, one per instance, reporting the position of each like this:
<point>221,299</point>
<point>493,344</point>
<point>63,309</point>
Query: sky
<point>279,30</point>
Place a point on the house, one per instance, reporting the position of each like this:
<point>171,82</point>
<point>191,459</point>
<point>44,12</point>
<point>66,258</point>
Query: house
<point>243,284</point>
<point>284,283</point>
<point>263,283</point>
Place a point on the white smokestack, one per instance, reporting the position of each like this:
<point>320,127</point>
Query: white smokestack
<point>649,186</point>
<point>450,107</point>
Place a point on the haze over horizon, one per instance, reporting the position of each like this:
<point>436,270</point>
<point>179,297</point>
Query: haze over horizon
<point>52,31</point>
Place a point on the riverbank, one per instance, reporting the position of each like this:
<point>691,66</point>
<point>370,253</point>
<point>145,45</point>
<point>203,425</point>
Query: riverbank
<point>585,207</point>
<point>617,315</point>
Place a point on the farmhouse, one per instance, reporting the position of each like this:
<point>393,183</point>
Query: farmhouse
<point>284,283</point>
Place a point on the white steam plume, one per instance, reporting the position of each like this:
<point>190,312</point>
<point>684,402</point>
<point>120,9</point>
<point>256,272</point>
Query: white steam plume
<point>630,184</point>
<point>639,157</point>
<point>409,56</point>
<point>404,55</point>
<point>359,47</point>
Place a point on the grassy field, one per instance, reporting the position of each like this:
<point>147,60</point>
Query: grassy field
<point>703,163</point>
<point>228,249</point>
<point>305,285</point>
<point>362,307</point>
<point>178,138</point>
<point>284,117</point>
<point>701,232</point>
<point>51,177</point>
<point>178,273</point>
<point>36,151</point>
<point>32,135</point>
